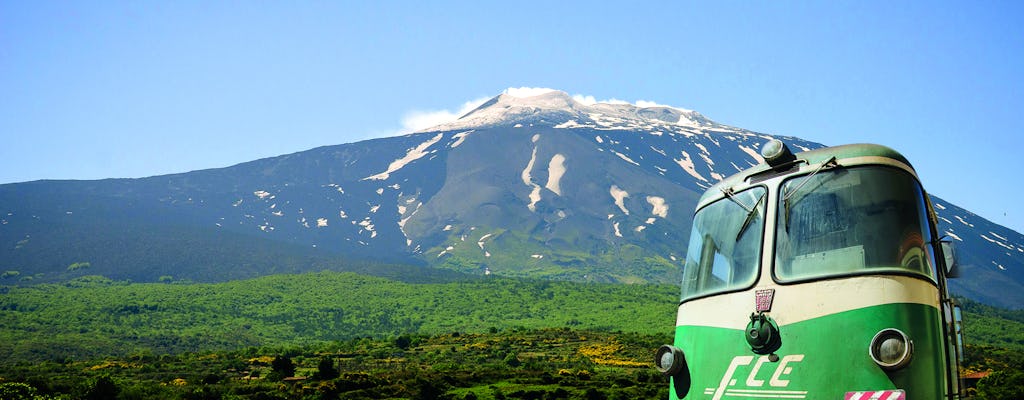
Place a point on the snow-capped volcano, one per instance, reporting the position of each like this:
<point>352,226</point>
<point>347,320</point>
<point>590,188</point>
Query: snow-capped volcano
<point>558,107</point>
<point>533,183</point>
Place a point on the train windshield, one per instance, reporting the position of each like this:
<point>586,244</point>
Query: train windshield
<point>725,244</point>
<point>852,220</point>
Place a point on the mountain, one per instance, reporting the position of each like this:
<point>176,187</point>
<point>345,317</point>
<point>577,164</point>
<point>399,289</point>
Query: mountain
<point>544,186</point>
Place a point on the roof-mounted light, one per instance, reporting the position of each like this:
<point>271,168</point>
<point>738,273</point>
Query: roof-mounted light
<point>776,153</point>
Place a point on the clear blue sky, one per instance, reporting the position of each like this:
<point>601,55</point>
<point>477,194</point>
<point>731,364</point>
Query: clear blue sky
<point>97,89</point>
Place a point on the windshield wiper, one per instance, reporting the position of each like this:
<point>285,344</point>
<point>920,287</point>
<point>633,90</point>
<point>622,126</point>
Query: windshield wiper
<point>786,199</point>
<point>750,217</point>
<point>732,196</point>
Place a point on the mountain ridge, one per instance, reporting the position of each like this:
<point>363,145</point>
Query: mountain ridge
<point>536,186</point>
<point>555,104</point>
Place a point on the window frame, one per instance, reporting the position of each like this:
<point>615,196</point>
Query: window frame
<point>928,227</point>
<point>758,263</point>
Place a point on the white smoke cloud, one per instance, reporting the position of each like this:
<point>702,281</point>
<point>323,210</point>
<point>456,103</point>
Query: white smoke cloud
<point>645,104</point>
<point>591,100</point>
<point>586,100</point>
<point>416,120</point>
<point>527,91</point>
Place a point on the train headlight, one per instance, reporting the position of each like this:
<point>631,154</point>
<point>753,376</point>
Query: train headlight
<point>669,360</point>
<point>776,153</point>
<point>891,349</point>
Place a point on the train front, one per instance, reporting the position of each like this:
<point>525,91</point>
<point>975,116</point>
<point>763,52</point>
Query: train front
<point>812,276</point>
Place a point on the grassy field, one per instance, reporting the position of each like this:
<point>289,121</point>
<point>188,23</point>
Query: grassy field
<point>342,335</point>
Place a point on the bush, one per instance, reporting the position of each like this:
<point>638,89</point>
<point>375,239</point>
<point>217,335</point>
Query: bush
<point>1002,385</point>
<point>17,391</point>
<point>325,369</point>
<point>103,388</point>
<point>282,367</point>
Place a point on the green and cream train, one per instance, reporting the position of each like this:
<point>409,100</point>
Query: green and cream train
<point>819,275</point>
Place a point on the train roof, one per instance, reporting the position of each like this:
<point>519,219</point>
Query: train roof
<point>811,157</point>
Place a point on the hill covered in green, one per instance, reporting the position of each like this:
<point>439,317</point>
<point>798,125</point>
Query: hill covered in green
<point>419,338</point>
<point>93,317</point>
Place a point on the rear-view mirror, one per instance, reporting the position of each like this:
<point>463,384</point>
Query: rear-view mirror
<point>949,256</point>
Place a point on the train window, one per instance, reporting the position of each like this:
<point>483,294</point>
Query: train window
<point>852,220</point>
<point>725,244</point>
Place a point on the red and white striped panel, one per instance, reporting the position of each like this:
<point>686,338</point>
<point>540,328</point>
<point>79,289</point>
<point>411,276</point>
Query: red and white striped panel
<point>877,395</point>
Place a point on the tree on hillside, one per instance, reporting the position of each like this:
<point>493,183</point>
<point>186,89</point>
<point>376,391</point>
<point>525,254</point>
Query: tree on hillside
<point>20,391</point>
<point>282,367</point>
<point>403,342</point>
<point>325,369</point>
<point>103,388</point>
<point>1000,385</point>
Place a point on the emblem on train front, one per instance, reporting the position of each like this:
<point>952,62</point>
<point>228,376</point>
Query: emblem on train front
<point>763,300</point>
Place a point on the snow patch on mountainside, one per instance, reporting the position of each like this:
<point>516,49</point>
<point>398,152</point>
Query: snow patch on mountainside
<point>660,207</point>
<point>403,221</point>
<point>1001,244</point>
<point>412,155</point>
<point>460,137</point>
<point>753,153</point>
<point>962,221</point>
<point>687,164</point>
<point>534,198</point>
<point>525,175</point>
<point>368,226</point>
<point>620,198</point>
<point>626,158</point>
<point>528,180</point>
<point>483,240</point>
<point>556,168</point>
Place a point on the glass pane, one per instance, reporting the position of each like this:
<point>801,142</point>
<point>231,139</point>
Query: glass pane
<point>852,220</point>
<point>725,244</point>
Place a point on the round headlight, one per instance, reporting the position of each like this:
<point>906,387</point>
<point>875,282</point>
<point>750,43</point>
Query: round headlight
<point>891,349</point>
<point>669,360</point>
<point>776,153</point>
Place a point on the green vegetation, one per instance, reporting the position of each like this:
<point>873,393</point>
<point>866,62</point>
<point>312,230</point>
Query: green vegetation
<point>516,254</point>
<point>514,364</point>
<point>995,345</point>
<point>992,326</point>
<point>333,335</point>
<point>78,265</point>
<point>93,317</point>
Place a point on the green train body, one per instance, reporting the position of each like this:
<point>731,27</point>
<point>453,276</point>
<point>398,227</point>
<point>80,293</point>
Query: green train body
<point>819,275</point>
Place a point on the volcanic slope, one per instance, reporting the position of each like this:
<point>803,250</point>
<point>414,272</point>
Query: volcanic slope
<point>544,185</point>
